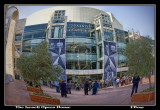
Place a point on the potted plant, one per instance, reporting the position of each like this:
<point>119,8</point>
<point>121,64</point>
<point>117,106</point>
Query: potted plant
<point>43,98</point>
<point>145,95</point>
<point>32,89</point>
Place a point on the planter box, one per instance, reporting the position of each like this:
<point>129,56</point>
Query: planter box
<point>143,97</point>
<point>37,90</point>
<point>43,99</point>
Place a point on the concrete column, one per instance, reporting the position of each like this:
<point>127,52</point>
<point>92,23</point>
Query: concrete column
<point>65,27</point>
<point>10,49</point>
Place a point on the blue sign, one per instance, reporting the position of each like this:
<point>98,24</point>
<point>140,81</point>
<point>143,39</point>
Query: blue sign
<point>110,60</point>
<point>57,49</point>
<point>78,29</point>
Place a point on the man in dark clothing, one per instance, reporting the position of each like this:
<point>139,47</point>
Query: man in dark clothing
<point>63,89</point>
<point>86,86</point>
<point>135,84</point>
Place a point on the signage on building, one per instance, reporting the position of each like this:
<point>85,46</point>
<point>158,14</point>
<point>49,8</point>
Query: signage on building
<point>110,60</point>
<point>57,49</point>
<point>78,29</point>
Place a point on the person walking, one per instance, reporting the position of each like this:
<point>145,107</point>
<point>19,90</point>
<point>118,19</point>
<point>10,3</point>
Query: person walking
<point>101,84</point>
<point>114,82</point>
<point>69,87</point>
<point>83,85</point>
<point>63,89</point>
<point>80,86</point>
<point>86,86</point>
<point>49,82</point>
<point>110,82</point>
<point>77,86</point>
<point>95,86</point>
<point>90,86</point>
<point>107,82</point>
<point>122,81</point>
<point>57,86</point>
<point>117,81</point>
<point>135,84</point>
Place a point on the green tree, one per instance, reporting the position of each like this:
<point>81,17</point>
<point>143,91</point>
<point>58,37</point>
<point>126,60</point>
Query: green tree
<point>38,65</point>
<point>140,59</point>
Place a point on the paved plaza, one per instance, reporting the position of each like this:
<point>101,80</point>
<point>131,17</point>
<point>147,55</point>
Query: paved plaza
<point>16,94</point>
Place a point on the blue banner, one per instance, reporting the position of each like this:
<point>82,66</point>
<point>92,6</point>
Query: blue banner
<point>110,60</point>
<point>57,49</point>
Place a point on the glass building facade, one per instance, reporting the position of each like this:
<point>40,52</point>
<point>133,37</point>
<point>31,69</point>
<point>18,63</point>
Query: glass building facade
<point>84,30</point>
<point>80,46</point>
<point>122,40</point>
<point>32,36</point>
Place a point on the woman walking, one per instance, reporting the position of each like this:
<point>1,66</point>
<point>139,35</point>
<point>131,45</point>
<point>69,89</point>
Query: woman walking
<point>122,81</point>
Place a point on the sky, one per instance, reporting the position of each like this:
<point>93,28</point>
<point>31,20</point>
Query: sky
<point>139,17</point>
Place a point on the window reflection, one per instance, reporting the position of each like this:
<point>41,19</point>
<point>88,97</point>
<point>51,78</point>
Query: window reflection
<point>80,46</point>
<point>108,35</point>
<point>122,40</point>
<point>57,32</point>
<point>33,35</point>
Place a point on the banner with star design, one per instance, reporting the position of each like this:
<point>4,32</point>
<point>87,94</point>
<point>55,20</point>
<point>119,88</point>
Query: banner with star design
<point>57,49</point>
<point>110,60</point>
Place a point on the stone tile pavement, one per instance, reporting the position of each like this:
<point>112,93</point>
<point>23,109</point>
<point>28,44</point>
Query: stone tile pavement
<point>17,94</point>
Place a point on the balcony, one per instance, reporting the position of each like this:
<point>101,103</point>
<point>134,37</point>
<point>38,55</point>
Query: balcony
<point>17,42</point>
<point>81,57</point>
<point>81,40</point>
<point>84,72</point>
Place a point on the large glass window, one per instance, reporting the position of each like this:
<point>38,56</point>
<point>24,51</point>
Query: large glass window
<point>99,35</point>
<point>92,26</point>
<point>122,40</point>
<point>82,65</point>
<point>108,35</point>
<point>94,65</point>
<point>59,16</point>
<point>77,29</point>
<point>100,51</point>
<point>106,19</point>
<point>33,35</point>
<point>93,49</point>
<point>100,64</point>
<point>18,37</point>
<point>80,46</point>
<point>107,25</point>
<point>93,34</point>
<point>69,65</point>
<point>57,32</point>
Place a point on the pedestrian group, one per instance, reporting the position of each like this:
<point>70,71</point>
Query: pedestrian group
<point>65,88</point>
